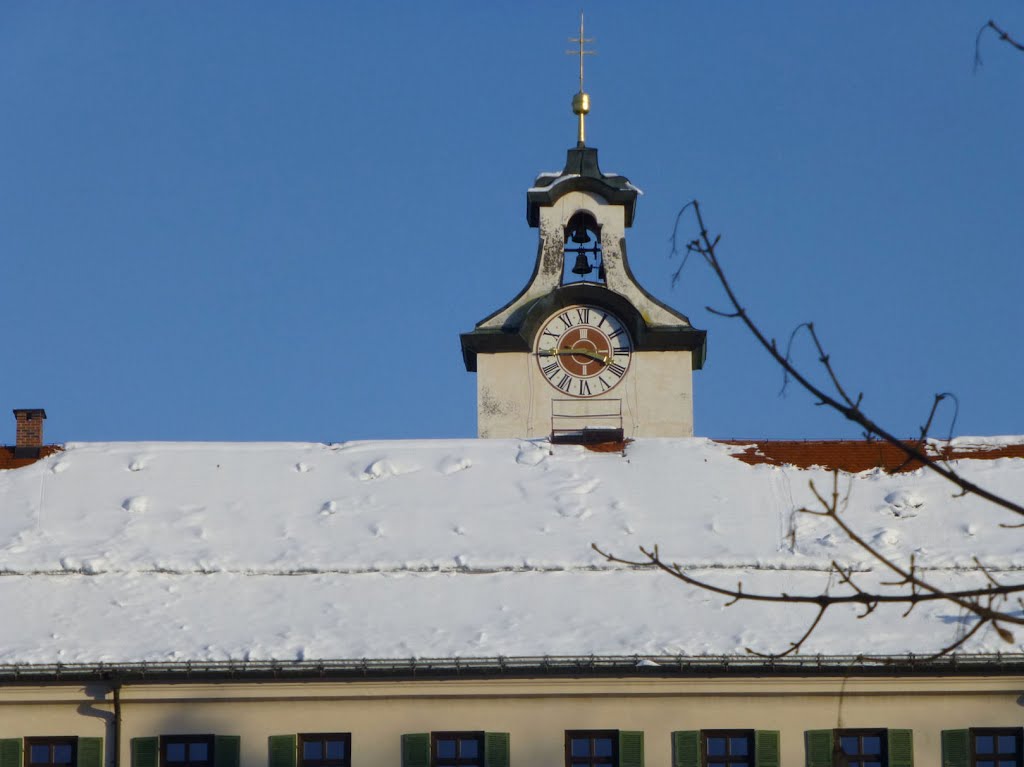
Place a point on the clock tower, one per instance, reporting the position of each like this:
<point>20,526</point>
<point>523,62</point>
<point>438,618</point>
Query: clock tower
<point>583,353</point>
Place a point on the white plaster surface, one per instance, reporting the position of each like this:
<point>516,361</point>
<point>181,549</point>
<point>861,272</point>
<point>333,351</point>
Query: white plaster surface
<point>515,400</point>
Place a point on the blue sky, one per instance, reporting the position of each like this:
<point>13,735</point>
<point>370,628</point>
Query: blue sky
<point>270,221</point>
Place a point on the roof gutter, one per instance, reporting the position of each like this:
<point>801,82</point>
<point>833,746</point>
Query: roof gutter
<point>494,667</point>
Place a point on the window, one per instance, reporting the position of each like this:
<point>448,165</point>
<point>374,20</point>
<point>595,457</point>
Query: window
<point>996,747</point>
<point>461,749</point>
<point>67,751</point>
<point>51,752</point>
<point>863,748</point>
<point>457,749</point>
<point>186,750</point>
<point>183,751</point>
<point>860,748</point>
<point>588,748</point>
<point>727,748</point>
<point>332,749</point>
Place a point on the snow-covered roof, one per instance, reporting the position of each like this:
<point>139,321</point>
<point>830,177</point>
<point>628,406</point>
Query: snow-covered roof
<point>124,552</point>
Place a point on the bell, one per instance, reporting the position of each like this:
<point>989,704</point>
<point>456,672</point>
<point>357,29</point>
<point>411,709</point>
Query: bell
<point>579,233</point>
<point>582,264</point>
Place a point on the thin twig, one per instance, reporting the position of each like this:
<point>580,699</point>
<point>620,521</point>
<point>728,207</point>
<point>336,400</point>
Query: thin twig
<point>1003,35</point>
<point>862,598</point>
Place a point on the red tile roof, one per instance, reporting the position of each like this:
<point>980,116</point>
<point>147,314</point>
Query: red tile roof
<point>8,461</point>
<point>858,455</point>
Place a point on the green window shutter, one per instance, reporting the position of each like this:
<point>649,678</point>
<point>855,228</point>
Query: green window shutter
<point>496,749</point>
<point>766,749</point>
<point>90,752</point>
<point>416,750</point>
<point>145,752</point>
<point>631,748</point>
<point>686,748</point>
<point>956,748</point>
<point>227,750</point>
<point>282,750</point>
<point>819,748</point>
<point>901,748</point>
<point>10,752</point>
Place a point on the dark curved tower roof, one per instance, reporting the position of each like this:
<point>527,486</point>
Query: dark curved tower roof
<point>581,173</point>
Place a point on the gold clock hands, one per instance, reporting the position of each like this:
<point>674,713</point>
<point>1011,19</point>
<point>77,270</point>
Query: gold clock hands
<point>602,358</point>
<point>594,355</point>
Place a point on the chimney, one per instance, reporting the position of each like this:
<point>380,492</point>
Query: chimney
<point>29,432</point>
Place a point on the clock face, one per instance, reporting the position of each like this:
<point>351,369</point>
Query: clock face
<point>584,351</point>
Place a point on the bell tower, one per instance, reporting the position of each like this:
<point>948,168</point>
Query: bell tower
<point>583,353</point>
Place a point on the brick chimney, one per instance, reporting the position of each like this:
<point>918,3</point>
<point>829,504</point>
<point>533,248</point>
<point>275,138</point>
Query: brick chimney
<point>29,435</point>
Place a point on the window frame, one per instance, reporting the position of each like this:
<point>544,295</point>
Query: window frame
<point>301,739</point>
<point>611,761</point>
<point>1016,732</point>
<point>750,758</point>
<point>882,733</point>
<point>166,740</point>
<point>437,761</point>
<point>50,741</point>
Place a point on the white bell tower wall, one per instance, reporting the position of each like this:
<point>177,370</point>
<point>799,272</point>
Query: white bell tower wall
<point>515,400</point>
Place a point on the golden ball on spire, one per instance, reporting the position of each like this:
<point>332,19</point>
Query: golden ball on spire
<point>581,103</point>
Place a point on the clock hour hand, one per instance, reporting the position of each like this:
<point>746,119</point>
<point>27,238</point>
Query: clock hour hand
<point>602,358</point>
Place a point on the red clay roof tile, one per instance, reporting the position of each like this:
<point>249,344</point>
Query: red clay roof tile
<point>857,455</point>
<point>8,461</point>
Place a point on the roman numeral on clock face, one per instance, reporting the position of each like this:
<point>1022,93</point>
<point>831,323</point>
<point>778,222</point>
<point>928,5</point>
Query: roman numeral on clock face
<point>617,369</point>
<point>584,314</point>
<point>584,388</point>
<point>566,319</point>
<point>549,371</point>
<point>565,383</point>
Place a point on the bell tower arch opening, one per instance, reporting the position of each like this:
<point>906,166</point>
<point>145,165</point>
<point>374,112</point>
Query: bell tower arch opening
<point>583,260</point>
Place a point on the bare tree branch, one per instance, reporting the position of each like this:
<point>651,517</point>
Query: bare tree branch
<point>794,647</point>
<point>654,560</point>
<point>841,402</point>
<point>957,644</point>
<point>911,586</point>
<point>1003,35</point>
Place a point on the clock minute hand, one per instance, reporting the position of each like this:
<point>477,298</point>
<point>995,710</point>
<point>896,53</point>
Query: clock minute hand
<point>602,358</point>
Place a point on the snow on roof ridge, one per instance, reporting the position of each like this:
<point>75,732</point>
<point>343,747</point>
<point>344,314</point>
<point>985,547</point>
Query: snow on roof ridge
<point>991,441</point>
<point>629,184</point>
<point>556,179</point>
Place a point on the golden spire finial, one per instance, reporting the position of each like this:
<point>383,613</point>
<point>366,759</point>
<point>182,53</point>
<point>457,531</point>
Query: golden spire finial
<point>581,101</point>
